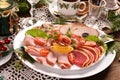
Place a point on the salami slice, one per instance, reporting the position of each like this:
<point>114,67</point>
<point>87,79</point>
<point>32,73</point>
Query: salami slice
<point>78,58</point>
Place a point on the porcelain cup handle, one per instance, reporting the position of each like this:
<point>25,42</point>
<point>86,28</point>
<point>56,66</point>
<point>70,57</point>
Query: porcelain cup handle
<point>84,6</point>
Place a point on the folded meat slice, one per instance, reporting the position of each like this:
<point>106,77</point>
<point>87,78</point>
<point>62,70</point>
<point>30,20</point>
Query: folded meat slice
<point>51,59</point>
<point>29,41</point>
<point>32,51</point>
<point>40,41</point>
<point>78,58</point>
<point>98,51</point>
<point>63,61</point>
<point>90,55</point>
<point>90,43</point>
<point>93,51</point>
<point>43,61</point>
<point>101,49</point>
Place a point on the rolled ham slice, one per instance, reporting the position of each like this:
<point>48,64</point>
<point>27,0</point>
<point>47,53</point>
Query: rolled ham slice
<point>63,61</point>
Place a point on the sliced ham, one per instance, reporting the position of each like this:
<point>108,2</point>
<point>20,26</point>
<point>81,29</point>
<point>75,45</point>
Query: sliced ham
<point>63,61</point>
<point>51,59</point>
<point>93,51</point>
<point>90,43</point>
<point>29,41</point>
<point>78,58</point>
<point>85,29</point>
<point>32,51</point>
<point>43,61</point>
<point>40,41</point>
<point>65,28</point>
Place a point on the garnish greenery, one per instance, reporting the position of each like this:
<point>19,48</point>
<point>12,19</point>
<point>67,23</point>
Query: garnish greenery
<point>5,53</point>
<point>18,64</point>
<point>92,38</point>
<point>98,41</point>
<point>69,33</point>
<point>24,55</point>
<point>37,33</point>
<point>115,20</point>
<point>60,21</point>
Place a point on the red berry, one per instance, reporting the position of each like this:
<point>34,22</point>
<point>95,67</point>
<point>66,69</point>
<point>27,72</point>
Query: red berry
<point>3,48</point>
<point>7,40</point>
<point>1,42</point>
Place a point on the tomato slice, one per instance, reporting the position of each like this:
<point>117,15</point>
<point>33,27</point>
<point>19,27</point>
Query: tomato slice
<point>44,52</point>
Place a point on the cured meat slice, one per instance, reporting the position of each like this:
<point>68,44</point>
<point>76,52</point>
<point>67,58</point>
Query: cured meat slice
<point>32,51</point>
<point>93,51</point>
<point>29,41</point>
<point>64,40</point>
<point>78,58</point>
<point>101,49</point>
<point>63,61</point>
<point>85,29</point>
<point>40,41</point>
<point>90,55</point>
<point>51,59</point>
<point>90,43</point>
<point>98,51</point>
<point>43,61</point>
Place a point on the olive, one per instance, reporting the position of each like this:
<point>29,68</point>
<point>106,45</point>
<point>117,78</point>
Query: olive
<point>85,34</point>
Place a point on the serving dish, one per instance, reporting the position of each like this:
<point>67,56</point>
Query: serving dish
<point>64,73</point>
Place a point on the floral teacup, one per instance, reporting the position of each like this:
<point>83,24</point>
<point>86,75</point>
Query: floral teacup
<point>70,7</point>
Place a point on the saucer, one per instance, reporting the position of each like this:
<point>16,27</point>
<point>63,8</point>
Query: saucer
<point>113,8</point>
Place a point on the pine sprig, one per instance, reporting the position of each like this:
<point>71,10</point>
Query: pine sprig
<point>115,20</point>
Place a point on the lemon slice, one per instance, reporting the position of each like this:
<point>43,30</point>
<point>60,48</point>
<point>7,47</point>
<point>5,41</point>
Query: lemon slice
<point>61,49</point>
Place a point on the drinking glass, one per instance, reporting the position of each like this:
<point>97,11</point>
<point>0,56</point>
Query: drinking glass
<point>32,19</point>
<point>95,8</point>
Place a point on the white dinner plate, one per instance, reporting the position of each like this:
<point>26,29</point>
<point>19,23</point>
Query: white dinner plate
<point>5,59</point>
<point>63,73</point>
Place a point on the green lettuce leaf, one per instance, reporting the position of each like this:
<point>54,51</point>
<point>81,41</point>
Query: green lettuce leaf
<point>37,33</point>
